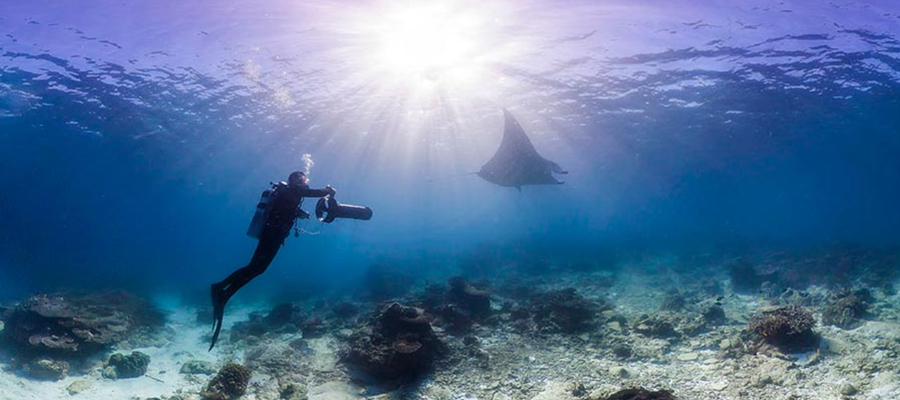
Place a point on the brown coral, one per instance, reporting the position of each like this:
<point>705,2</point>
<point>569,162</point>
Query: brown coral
<point>230,383</point>
<point>397,345</point>
<point>846,308</point>
<point>787,328</point>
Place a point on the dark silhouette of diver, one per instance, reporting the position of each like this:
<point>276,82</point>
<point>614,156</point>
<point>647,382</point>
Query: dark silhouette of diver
<point>284,209</point>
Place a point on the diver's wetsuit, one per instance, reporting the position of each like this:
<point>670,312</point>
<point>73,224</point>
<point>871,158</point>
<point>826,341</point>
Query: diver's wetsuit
<point>282,214</point>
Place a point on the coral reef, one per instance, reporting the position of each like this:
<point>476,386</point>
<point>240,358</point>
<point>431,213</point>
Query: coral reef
<point>194,367</point>
<point>457,307</point>
<point>121,366</point>
<point>713,315</point>
<point>283,318</point>
<point>830,266</point>
<point>229,383</point>
<point>293,392</point>
<point>431,297</point>
<point>454,319</point>
<point>397,345</point>
<point>313,327</point>
<point>45,369</point>
<point>787,328</point>
<point>566,311</point>
<point>656,326</point>
<point>252,327</point>
<point>272,357</point>
<point>641,394</point>
<point>76,326</point>
<point>475,300</point>
<point>673,301</point>
<point>846,308</point>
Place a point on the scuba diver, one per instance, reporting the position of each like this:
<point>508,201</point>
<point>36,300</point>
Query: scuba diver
<point>276,214</point>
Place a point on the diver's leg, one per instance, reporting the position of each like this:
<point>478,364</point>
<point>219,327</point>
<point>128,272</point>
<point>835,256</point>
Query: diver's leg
<point>263,256</point>
<point>222,291</point>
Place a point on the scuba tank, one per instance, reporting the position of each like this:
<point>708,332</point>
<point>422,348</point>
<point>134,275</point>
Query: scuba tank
<point>327,209</point>
<point>261,214</point>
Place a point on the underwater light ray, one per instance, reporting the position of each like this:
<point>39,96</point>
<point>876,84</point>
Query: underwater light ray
<point>366,59</point>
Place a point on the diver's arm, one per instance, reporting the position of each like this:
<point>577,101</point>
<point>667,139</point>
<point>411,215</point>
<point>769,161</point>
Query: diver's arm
<point>307,192</point>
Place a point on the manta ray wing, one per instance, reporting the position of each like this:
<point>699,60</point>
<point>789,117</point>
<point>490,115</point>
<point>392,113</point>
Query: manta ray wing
<point>516,162</point>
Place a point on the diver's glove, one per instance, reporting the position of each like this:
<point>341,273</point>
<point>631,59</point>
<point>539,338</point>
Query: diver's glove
<point>330,190</point>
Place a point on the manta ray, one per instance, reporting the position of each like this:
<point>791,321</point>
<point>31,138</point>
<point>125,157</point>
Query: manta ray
<point>516,163</point>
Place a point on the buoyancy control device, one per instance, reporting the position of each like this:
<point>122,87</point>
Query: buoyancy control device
<point>262,211</point>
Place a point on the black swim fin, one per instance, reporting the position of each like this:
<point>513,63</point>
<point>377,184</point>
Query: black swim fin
<point>218,313</point>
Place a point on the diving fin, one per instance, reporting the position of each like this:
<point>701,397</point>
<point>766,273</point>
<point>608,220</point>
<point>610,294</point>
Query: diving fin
<point>218,313</point>
<point>215,334</point>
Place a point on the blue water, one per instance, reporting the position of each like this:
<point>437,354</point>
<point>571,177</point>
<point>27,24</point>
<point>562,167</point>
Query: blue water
<point>135,137</point>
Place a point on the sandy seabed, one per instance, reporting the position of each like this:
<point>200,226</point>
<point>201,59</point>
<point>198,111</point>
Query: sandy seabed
<point>860,363</point>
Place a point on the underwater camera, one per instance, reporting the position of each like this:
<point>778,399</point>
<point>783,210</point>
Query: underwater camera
<point>328,209</point>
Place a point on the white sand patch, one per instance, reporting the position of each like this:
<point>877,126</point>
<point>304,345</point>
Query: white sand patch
<point>555,390</point>
<point>324,359</point>
<point>335,391</point>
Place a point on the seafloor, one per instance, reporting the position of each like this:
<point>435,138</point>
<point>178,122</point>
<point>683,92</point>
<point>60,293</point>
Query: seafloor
<point>551,329</point>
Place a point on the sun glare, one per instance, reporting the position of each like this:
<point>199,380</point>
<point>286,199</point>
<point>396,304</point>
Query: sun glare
<point>423,39</point>
<point>433,40</point>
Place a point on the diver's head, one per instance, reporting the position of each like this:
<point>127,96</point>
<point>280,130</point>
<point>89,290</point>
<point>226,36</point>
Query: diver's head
<point>297,178</point>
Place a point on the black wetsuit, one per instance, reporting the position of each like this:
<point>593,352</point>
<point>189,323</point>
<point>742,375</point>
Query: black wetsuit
<point>282,214</point>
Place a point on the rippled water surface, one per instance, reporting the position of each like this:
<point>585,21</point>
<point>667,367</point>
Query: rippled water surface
<point>136,136</point>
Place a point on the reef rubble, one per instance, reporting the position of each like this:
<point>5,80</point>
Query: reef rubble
<point>660,331</point>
